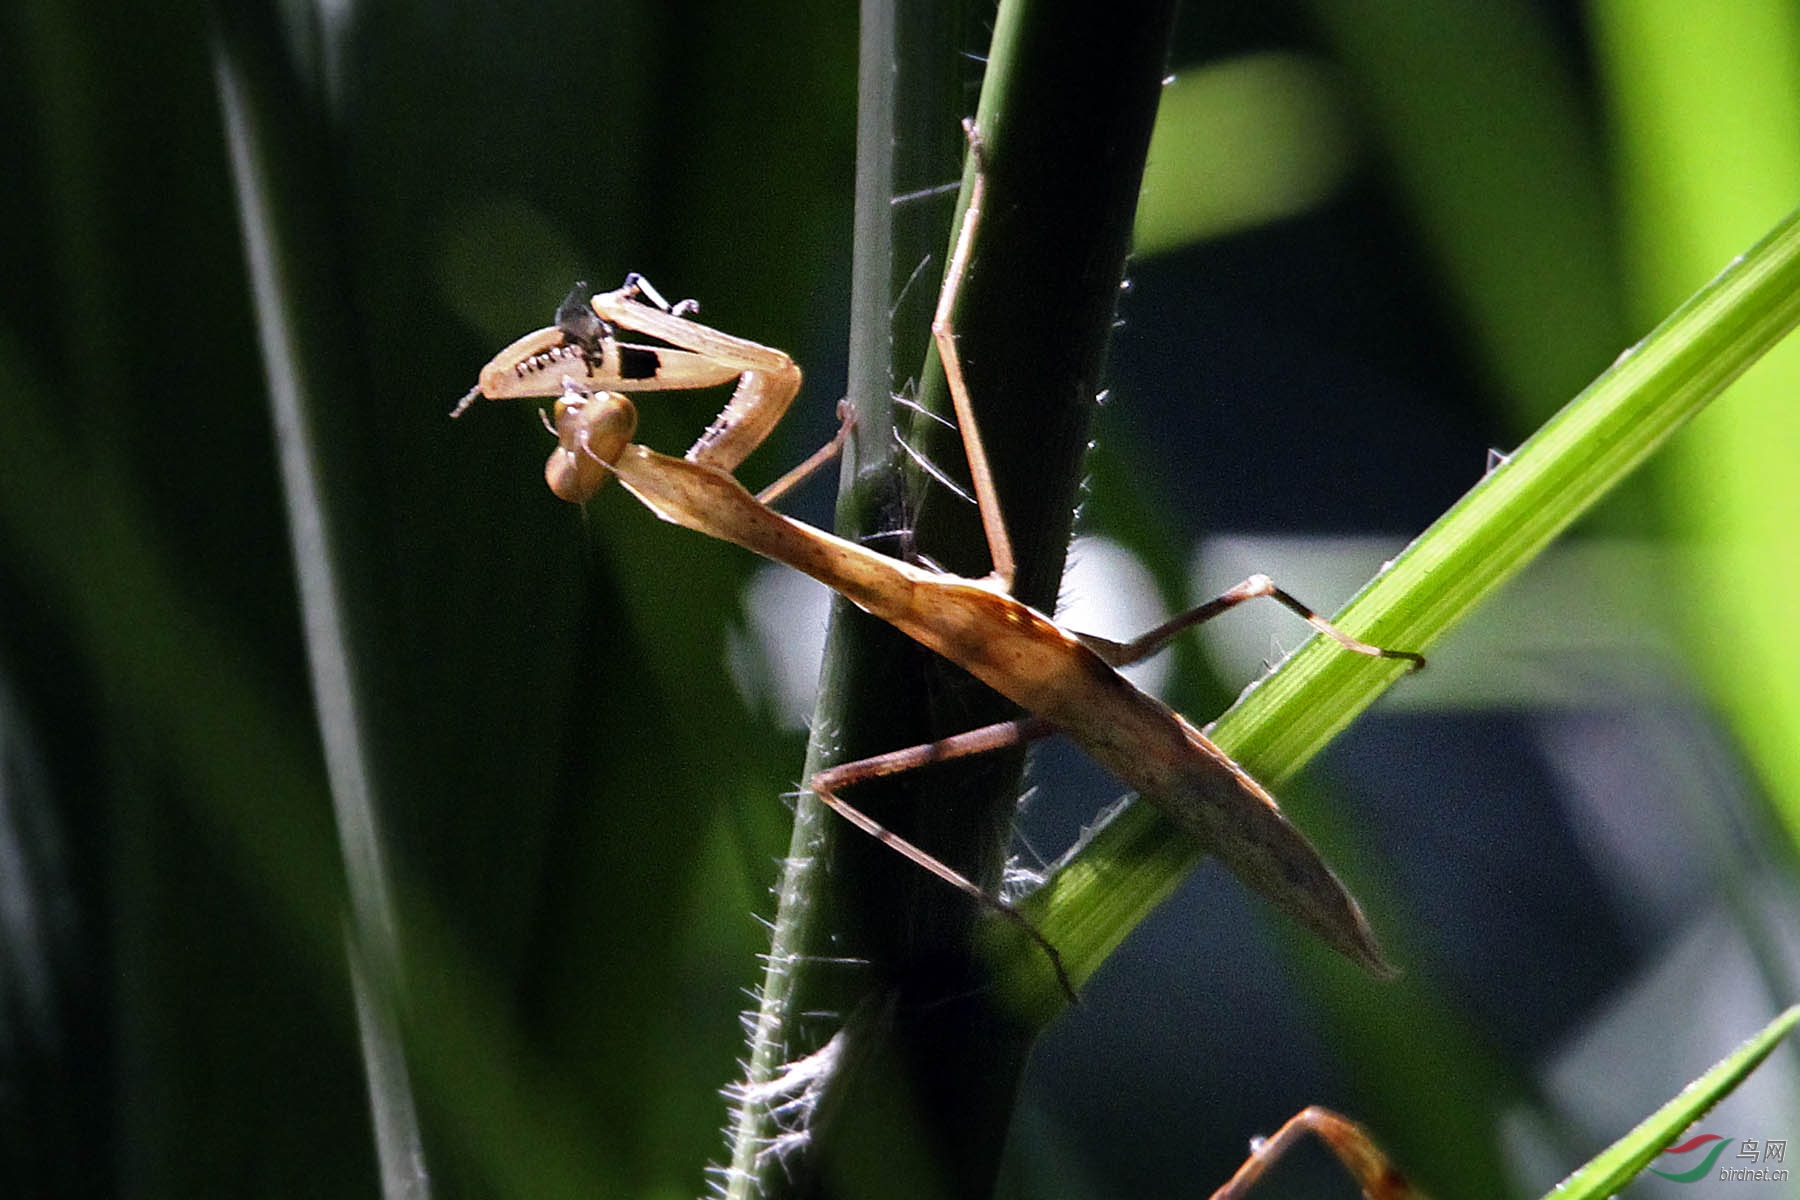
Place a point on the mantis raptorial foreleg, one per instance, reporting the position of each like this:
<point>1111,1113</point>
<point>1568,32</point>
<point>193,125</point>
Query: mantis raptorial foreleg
<point>767,378</point>
<point>580,356</point>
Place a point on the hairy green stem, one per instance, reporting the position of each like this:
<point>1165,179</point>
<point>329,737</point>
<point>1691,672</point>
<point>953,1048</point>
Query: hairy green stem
<point>896,1062</point>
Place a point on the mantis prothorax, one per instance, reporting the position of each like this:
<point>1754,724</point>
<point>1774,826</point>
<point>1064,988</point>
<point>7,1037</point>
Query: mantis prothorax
<point>1069,682</point>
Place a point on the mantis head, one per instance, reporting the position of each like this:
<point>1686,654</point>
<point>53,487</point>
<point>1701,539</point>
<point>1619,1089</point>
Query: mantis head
<point>592,430</point>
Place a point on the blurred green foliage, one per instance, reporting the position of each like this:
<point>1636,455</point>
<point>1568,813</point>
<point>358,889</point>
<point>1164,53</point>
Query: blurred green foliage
<point>579,810</point>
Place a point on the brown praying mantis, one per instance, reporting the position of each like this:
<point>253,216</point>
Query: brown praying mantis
<point>1067,682</point>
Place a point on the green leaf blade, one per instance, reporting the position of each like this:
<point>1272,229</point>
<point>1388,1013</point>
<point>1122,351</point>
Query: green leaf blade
<point>1621,1162</point>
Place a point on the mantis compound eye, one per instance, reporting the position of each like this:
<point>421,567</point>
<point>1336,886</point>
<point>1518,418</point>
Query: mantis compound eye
<point>591,433</point>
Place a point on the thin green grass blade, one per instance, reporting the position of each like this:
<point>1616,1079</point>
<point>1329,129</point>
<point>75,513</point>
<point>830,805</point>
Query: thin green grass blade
<point>371,923</point>
<point>1620,1162</point>
<point>1111,882</point>
<point>94,552</point>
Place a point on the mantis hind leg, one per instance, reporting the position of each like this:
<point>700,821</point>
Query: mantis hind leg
<point>999,736</point>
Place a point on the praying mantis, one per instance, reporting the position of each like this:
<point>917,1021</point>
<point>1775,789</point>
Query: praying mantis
<point>1067,682</point>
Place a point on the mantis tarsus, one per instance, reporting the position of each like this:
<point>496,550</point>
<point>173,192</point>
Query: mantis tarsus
<point>1068,682</point>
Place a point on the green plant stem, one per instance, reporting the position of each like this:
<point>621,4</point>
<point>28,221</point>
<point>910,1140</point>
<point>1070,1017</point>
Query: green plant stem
<point>876,1025</point>
<point>1106,887</point>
